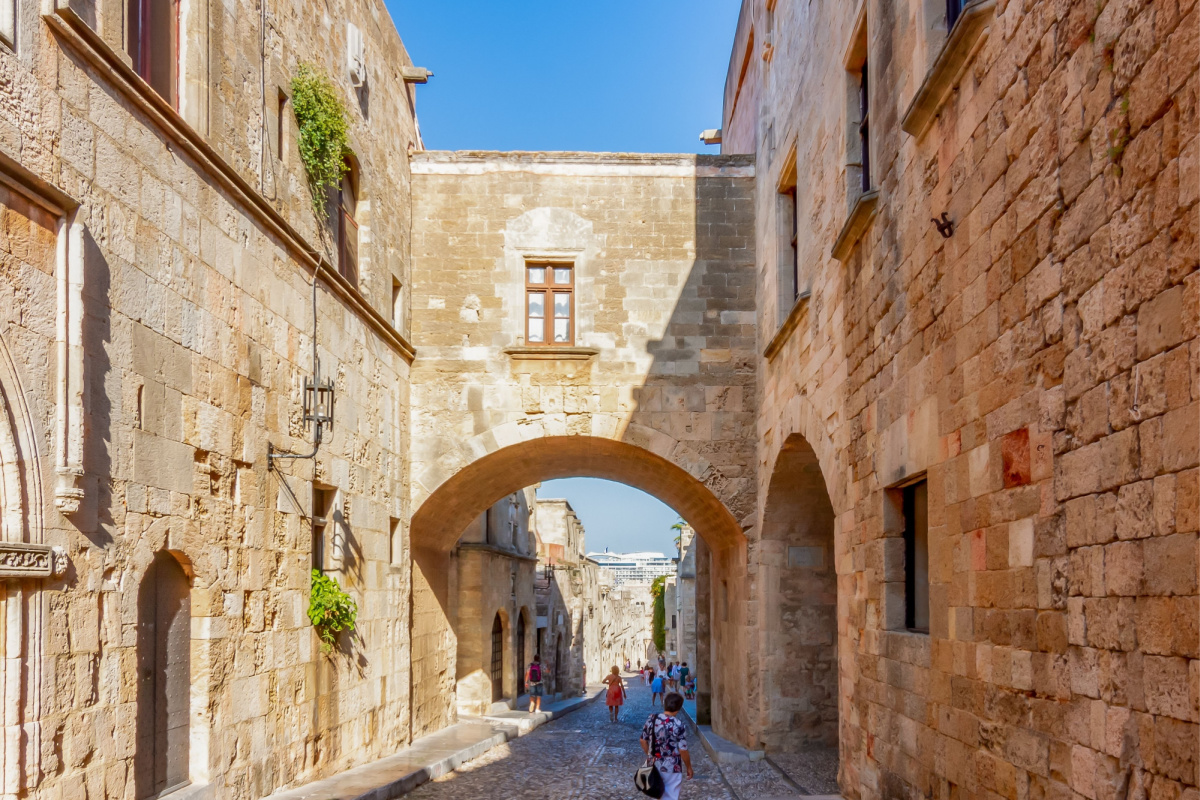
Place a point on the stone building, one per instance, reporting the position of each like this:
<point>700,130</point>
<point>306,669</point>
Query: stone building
<point>159,255</point>
<point>681,626</point>
<point>978,307</point>
<point>495,611</point>
<point>917,356</point>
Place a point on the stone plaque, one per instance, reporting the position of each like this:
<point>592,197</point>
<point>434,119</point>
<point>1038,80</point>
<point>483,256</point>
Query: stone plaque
<point>22,560</point>
<point>806,557</point>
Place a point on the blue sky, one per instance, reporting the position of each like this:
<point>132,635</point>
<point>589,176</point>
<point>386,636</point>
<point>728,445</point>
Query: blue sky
<point>616,516</point>
<point>624,75</point>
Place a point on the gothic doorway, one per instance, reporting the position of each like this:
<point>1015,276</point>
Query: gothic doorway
<point>519,663</point>
<point>497,659</point>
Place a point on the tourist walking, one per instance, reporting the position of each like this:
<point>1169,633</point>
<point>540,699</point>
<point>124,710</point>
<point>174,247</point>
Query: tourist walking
<point>616,694</point>
<point>656,687</point>
<point>670,755</point>
<point>534,674</point>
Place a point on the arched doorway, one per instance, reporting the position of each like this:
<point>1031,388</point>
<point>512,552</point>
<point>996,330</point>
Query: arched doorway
<point>164,678</point>
<point>519,661</point>
<point>558,664</point>
<point>447,505</point>
<point>497,670</point>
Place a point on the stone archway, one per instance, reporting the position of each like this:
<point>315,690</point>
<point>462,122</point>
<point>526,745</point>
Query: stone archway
<point>644,459</point>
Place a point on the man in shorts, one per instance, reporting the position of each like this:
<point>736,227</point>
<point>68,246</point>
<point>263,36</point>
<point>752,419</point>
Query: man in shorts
<point>534,675</point>
<point>670,746</point>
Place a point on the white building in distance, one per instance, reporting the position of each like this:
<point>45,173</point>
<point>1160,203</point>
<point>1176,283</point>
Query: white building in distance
<point>634,567</point>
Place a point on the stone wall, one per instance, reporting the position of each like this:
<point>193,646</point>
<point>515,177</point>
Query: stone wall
<point>187,256</point>
<point>1039,368</point>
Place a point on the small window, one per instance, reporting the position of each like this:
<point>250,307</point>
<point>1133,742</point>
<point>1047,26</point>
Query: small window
<point>497,670</point>
<point>550,304</point>
<point>8,22</point>
<point>397,304</point>
<point>864,127</point>
<point>347,226</point>
<point>153,44</point>
<point>787,226</point>
<point>395,541</point>
<point>916,556</point>
<point>953,12</point>
<point>281,126</point>
<point>322,523</point>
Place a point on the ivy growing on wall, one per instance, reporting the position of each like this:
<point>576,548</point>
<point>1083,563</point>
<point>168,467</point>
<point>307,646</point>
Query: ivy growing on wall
<point>330,609</point>
<point>658,622</point>
<point>323,144</point>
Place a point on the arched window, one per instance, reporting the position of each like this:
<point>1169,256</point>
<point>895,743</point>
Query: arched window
<point>347,224</point>
<point>164,678</point>
<point>497,659</point>
<point>153,42</point>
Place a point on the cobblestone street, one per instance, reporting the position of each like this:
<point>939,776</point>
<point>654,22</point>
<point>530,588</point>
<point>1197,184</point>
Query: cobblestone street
<point>583,755</point>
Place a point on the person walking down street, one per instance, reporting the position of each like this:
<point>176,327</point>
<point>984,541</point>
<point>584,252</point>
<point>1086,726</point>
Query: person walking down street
<point>683,673</point>
<point>656,688</point>
<point>670,755</point>
<point>534,675</point>
<point>616,694</point>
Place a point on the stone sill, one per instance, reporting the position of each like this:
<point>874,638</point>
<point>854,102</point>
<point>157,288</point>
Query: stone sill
<point>856,224</point>
<point>496,550</point>
<point>969,34</point>
<point>785,330</point>
<point>551,353</point>
<point>112,69</point>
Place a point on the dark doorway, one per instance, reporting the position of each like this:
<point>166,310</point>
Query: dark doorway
<point>520,662</point>
<point>497,659</point>
<point>164,678</point>
<point>558,670</point>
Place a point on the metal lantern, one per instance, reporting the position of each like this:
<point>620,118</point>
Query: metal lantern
<point>318,402</point>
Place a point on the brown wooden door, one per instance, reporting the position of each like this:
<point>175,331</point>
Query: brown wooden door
<point>497,659</point>
<point>164,678</point>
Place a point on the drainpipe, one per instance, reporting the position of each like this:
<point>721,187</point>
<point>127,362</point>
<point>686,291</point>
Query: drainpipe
<point>69,392</point>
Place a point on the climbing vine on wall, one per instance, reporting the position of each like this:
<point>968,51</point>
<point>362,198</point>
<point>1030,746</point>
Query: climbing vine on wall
<point>323,144</point>
<point>330,609</point>
<point>658,621</point>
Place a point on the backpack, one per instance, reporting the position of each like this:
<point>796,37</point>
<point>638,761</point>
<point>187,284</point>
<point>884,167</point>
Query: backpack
<point>535,673</point>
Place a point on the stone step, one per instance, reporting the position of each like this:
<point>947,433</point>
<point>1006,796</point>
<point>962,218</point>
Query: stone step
<point>432,756</point>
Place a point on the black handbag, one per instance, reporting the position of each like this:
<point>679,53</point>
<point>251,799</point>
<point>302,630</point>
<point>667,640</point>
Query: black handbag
<point>647,778</point>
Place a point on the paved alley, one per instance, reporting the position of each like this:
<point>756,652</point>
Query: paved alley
<point>583,755</point>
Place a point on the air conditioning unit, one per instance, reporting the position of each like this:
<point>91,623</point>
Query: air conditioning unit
<point>356,59</point>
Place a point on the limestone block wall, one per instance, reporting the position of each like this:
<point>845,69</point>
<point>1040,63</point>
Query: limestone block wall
<point>664,354</point>
<point>196,334</point>
<point>1039,367</point>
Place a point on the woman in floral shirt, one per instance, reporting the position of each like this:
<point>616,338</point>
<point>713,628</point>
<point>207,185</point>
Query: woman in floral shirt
<point>670,745</point>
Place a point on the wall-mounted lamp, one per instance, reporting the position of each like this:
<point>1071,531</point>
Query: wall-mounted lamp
<point>318,402</point>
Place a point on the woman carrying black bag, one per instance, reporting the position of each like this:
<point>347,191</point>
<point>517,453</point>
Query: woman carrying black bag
<point>664,741</point>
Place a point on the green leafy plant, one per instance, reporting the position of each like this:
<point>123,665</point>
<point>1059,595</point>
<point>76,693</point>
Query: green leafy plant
<point>658,621</point>
<point>323,144</point>
<point>330,609</point>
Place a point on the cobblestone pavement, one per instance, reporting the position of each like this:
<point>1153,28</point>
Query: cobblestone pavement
<point>581,756</point>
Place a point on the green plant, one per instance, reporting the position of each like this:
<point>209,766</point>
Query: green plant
<point>658,622</point>
<point>330,609</point>
<point>323,144</point>
<point>678,528</point>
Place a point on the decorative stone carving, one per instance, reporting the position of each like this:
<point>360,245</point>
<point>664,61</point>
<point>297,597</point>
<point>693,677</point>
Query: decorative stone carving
<point>21,560</point>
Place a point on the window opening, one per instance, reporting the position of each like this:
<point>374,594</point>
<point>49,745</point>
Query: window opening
<point>322,516</point>
<point>396,545</point>
<point>164,678</point>
<point>281,125</point>
<point>497,659</point>
<point>153,43</point>
<point>864,127</point>
<point>397,311</point>
<point>8,22</point>
<point>348,227</point>
<point>550,304</point>
<point>916,556</point>
<point>519,663</point>
<point>953,12</point>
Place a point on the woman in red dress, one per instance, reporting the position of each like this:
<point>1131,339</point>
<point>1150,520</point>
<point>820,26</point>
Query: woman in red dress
<point>616,693</point>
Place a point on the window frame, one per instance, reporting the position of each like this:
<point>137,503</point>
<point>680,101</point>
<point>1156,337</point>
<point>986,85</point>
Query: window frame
<point>914,509</point>
<point>347,230</point>
<point>864,125</point>
<point>138,33</point>
<point>548,288</point>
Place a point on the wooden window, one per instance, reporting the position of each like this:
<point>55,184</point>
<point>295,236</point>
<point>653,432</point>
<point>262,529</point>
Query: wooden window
<point>915,499</point>
<point>497,659</point>
<point>953,12</point>
<point>322,519</point>
<point>347,226</point>
<point>164,641</point>
<point>550,304</point>
<point>153,42</point>
<point>864,127</point>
